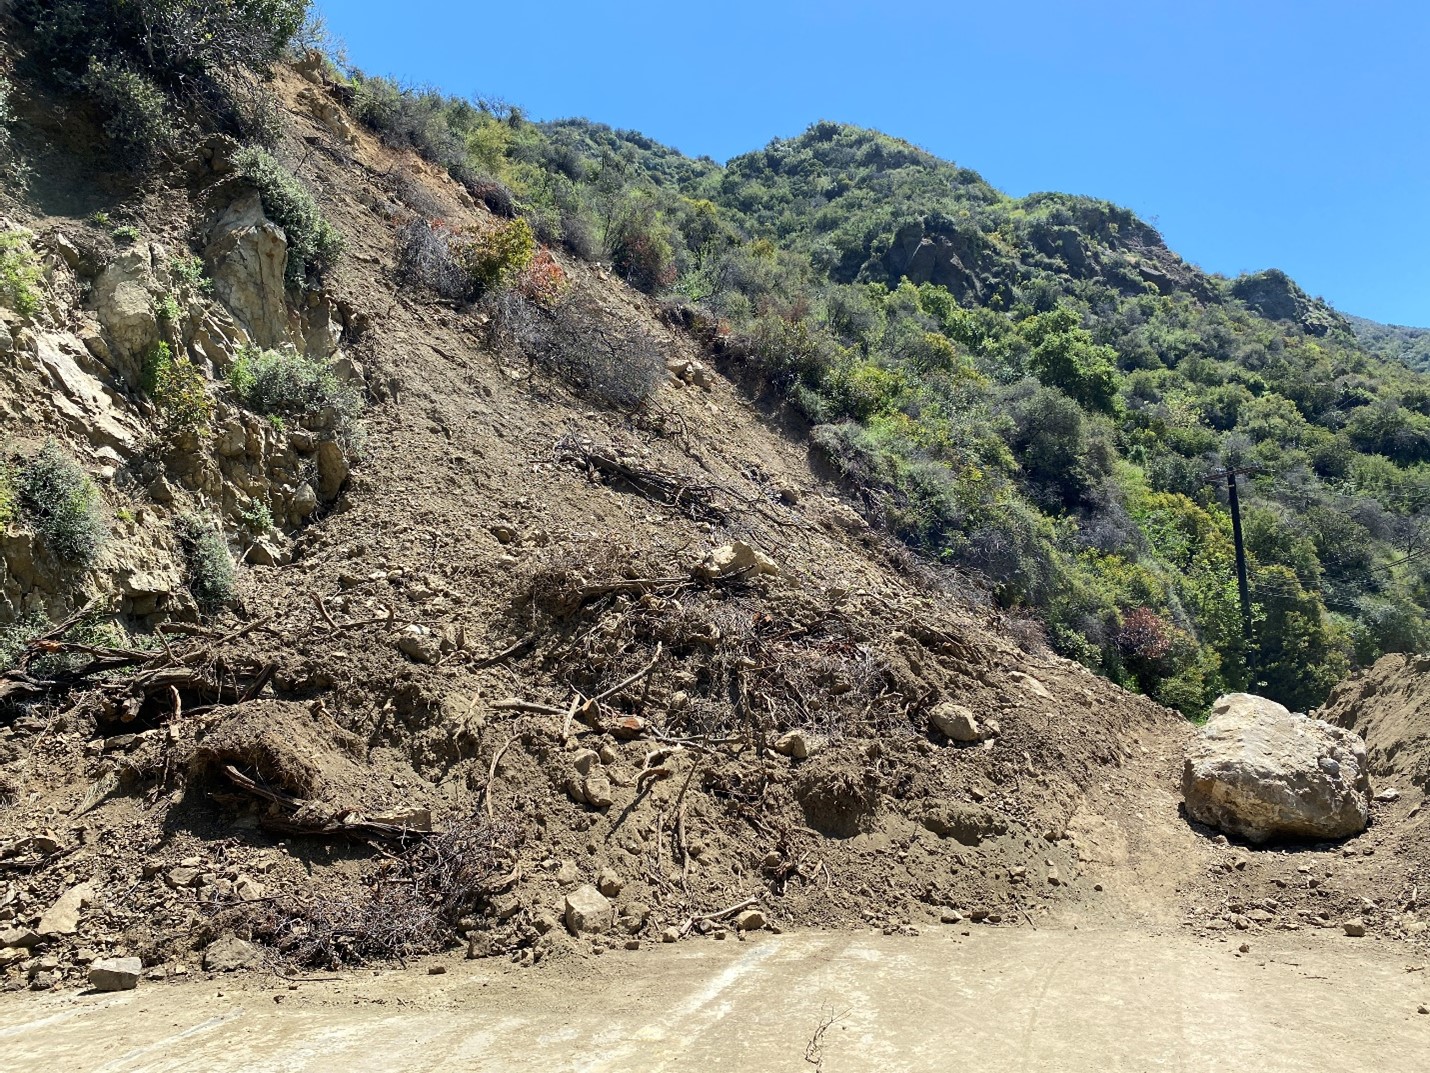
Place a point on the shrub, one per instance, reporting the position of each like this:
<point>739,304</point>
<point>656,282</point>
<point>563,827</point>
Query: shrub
<point>642,256</point>
<point>424,256</point>
<point>496,255</point>
<point>313,243</point>
<point>145,62</point>
<point>257,518</point>
<point>138,112</point>
<point>209,569</point>
<point>61,502</point>
<point>613,359</point>
<point>544,282</point>
<point>178,389</point>
<point>19,274</point>
<point>9,505</point>
<point>188,273</point>
<point>286,384</point>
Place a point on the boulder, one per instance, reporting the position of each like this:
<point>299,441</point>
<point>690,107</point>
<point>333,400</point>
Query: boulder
<point>115,974</point>
<point>247,256</point>
<point>1259,771</point>
<point>955,722</point>
<point>124,295</point>
<point>587,911</point>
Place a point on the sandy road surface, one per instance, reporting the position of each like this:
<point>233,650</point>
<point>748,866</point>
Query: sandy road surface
<point>995,1000</point>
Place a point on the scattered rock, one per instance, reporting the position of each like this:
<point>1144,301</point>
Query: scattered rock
<point>230,954</point>
<point>751,920</point>
<point>587,911</point>
<point>609,883</point>
<point>955,722</point>
<point>1355,927</point>
<point>1388,795</point>
<point>736,560</point>
<point>670,935</point>
<point>115,974</point>
<point>62,918</point>
<point>1256,770</point>
<point>19,938</point>
<point>597,791</point>
<point>798,744</point>
<point>421,644</point>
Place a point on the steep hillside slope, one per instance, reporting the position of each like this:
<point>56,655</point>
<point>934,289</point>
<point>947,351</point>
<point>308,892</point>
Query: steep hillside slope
<point>544,630</point>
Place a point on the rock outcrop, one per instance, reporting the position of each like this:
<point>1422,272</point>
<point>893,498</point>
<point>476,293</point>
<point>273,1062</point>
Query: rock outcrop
<point>247,256</point>
<point>1261,772</point>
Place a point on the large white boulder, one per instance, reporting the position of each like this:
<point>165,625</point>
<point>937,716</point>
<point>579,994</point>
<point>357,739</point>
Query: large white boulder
<point>1259,771</point>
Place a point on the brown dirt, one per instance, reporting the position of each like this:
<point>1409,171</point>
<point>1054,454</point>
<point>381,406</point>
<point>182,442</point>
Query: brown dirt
<point>468,518</point>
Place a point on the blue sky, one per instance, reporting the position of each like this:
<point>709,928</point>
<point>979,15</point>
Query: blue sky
<point>1254,133</point>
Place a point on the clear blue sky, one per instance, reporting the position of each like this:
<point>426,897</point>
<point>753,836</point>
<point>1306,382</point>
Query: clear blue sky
<point>1254,133</point>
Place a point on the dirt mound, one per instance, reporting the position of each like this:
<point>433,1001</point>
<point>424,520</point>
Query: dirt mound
<point>1389,706</point>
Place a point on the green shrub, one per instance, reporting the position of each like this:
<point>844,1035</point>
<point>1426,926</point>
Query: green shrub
<point>126,234</point>
<point>285,384</point>
<point>155,67</point>
<point>168,311</point>
<point>178,389</point>
<point>20,274</point>
<point>209,569</point>
<point>257,518</point>
<point>313,243</point>
<point>138,112</point>
<point>9,500</point>
<point>188,273</point>
<point>496,255</point>
<point>63,505</point>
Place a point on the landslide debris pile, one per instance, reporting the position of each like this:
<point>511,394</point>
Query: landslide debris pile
<point>414,623</point>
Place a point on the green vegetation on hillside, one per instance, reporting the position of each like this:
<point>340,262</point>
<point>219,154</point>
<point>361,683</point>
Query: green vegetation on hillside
<point>1035,389</point>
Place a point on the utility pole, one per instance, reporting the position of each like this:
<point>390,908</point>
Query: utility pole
<point>1241,584</point>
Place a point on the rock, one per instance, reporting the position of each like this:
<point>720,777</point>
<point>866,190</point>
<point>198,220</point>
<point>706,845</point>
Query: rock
<point>230,954</point>
<point>332,470</point>
<point>20,938</point>
<point>567,873</point>
<point>248,889</point>
<point>115,974</point>
<point>670,935</point>
<point>62,918</point>
<point>44,980</point>
<point>247,257</point>
<point>627,727</point>
<point>597,791</point>
<point>950,916</point>
<point>751,920</point>
<point>609,883</point>
<point>798,744</point>
<point>412,817</point>
<point>1388,795</point>
<point>420,644</point>
<point>1354,927</point>
<point>966,823</point>
<point>955,722</point>
<point>305,501</point>
<point>1256,770</point>
<point>587,911</point>
<point>183,876</point>
<point>736,560</point>
<point>124,296</point>
<point>584,760</point>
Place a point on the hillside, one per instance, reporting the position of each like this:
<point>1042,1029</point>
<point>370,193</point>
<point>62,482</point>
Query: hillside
<point>1035,390</point>
<point>424,529</point>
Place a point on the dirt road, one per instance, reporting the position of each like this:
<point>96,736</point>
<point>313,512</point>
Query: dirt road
<point>994,1000</point>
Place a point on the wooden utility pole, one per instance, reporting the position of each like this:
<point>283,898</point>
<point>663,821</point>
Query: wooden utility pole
<point>1242,587</point>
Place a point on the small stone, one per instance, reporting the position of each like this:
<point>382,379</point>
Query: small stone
<point>230,954</point>
<point>584,760</point>
<point>796,744</point>
<point>567,873</point>
<point>597,791</point>
<point>43,981</point>
<point>751,920</point>
<point>1244,948</point>
<point>1423,1009</point>
<point>19,938</point>
<point>633,944</point>
<point>1354,927</point>
<point>1054,877</point>
<point>670,935</point>
<point>950,916</point>
<point>115,974</point>
<point>183,876</point>
<point>1388,795</point>
<point>721,934</point>
<point>436,970</point>
<point>955,722</point>
<point>587,910</point>
<point>734,561</point>
<point>609,883</point>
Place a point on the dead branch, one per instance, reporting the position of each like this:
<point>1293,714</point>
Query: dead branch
<point>492,775</point>
<point>633,678</point>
